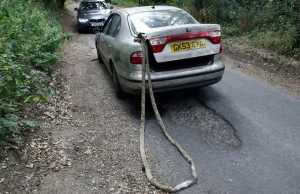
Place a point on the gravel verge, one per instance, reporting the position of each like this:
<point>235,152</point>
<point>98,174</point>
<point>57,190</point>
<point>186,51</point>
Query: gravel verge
<point>266,65</point>
<point>87,143</point>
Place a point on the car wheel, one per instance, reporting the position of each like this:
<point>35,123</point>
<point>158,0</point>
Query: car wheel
<point>98,54</point>
<point>118,90</point>
<point>79,30</point>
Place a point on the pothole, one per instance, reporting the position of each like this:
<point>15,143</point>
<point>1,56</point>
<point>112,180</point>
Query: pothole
<point>214,129</point>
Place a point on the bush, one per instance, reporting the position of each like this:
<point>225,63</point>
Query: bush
<point>29,39</point>
<point>273,24</point>
<point>134,3</point>
<point>281,41</point>
<point>126,3</point>
<point>231,30</point>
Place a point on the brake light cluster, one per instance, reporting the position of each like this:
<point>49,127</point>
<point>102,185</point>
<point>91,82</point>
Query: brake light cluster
<point>136,57</point>
<point>158,44</point>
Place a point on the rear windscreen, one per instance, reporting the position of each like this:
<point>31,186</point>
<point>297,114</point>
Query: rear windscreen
<point>144,21</point>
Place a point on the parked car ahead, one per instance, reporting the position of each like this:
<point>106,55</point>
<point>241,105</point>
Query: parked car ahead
<point>183,53</point>
<point>92,14</point>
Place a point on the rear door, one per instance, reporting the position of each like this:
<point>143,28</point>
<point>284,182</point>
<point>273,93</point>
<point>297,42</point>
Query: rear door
<point>112,32</point>
<point>103,41</point>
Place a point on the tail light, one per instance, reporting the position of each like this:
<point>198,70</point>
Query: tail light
<point>220,50</point>
<point>215,37</point>
<point>136,57</point>
<point>158,44</point>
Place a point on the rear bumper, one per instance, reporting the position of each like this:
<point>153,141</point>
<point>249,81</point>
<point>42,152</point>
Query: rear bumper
<point>161,84</point>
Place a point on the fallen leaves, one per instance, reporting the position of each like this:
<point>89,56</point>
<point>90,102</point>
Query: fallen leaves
<point>29,165</point>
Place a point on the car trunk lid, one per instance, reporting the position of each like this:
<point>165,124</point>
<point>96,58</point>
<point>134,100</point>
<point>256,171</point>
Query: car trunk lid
<point>173,43</point>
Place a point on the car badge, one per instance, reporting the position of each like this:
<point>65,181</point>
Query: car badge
<point>188,29</point>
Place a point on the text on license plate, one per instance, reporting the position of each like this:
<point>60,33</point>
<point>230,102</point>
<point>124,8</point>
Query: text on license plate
<point>188,45</point>
<point>97,24</point>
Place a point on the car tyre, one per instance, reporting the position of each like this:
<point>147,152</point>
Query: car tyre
<point>118,90</point>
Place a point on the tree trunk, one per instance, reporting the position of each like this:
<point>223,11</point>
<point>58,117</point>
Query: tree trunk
<point>61,3</point>
<point>297,37</point>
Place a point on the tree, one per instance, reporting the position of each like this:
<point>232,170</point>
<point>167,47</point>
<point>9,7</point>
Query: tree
<point>297,37</point>
<point>61,3</point>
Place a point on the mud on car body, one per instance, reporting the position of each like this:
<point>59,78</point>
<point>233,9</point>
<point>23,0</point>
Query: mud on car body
<point>183,53</point>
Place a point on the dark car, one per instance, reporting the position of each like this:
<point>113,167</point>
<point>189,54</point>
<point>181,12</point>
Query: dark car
<point>92,14</point>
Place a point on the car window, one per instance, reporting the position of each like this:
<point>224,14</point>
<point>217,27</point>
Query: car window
<point>117,29</point>
<point>144,21</point>
<point>92,6</point>
<point>114,24</point>
<point>107,24</point>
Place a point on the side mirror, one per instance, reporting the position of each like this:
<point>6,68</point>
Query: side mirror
<point>76,9</point>
<point>111,7</point>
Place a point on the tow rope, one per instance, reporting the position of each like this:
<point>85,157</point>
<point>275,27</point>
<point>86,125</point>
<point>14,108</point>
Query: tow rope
<point>142,39</point>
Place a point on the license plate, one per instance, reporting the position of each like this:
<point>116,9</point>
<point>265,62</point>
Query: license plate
<point>97,24</point>
<point>188,45</point>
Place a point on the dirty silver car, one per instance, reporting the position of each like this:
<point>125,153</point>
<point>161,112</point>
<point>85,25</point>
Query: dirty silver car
<point>183,52</point>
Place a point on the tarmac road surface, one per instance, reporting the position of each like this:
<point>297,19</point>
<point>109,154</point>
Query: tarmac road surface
<point>243,135</point>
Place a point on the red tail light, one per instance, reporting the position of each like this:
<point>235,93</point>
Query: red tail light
<point>215,37</point>
<point>220,50</point>
<point>136,57</point>
<point>158,44</point>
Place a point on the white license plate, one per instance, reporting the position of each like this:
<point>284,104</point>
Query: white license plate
<point>97,24</point>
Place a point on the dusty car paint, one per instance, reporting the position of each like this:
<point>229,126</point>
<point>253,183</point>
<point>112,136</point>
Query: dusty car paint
<point>116,52</point>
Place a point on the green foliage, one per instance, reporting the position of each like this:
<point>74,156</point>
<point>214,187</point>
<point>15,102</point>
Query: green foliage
<point>231,30</point>
<point>12,123</point>
<point>126,3</point>
<point>281,40</point>
<point>29,39</point>
<point>268,23</point>
<point>70,1</point>
<point>271,24</point>
<point>133,3</point>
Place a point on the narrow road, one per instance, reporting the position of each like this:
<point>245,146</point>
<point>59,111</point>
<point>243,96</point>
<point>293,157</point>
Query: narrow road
<point>266,121</point>
<point>242,133</point>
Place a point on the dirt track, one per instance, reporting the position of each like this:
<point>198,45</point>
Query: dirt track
<point>91,145</point>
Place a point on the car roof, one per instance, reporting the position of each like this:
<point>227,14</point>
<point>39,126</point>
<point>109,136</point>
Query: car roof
<point>147,8</point>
